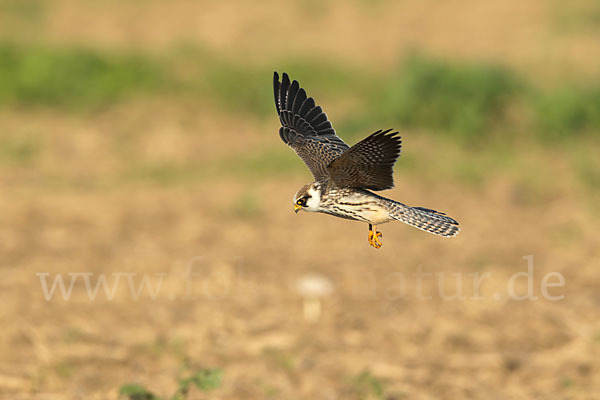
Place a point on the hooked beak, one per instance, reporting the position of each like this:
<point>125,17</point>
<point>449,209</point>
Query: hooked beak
<point>297,208</point>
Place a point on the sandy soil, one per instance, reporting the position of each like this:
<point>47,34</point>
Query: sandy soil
<point>85,204</point>
<point>378,34</point>
<point>242,312</point>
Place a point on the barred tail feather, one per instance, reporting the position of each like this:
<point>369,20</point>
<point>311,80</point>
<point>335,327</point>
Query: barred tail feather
<point>425,219</point>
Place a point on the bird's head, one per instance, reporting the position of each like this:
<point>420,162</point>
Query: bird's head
<point>308,198</point>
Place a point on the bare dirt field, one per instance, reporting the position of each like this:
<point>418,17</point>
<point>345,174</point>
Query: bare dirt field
<point>200,243</point>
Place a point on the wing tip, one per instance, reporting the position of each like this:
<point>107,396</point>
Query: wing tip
<point>276,74</point>
<point>390,133</point>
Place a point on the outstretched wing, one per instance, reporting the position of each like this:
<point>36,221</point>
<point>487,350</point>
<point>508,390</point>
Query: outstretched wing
<point>369,163</point>
<point>305,127</point>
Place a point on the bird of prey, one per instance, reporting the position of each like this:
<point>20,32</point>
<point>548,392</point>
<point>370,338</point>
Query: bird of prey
<point>344,175</point>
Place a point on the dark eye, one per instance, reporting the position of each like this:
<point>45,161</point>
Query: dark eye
<point>300,202</point>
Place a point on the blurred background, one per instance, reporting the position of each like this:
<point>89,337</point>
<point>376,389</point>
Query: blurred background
<point>140,137</point>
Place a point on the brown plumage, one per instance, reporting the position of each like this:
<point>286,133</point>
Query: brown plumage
<point>369,164</point>
<point>343,174</point>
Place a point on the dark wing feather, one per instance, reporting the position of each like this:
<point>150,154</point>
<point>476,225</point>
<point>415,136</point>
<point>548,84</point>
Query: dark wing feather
<point>369,163</point>
<point>305,127</point>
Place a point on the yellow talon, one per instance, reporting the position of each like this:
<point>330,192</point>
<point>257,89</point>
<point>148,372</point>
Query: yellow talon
<point>374,237</point>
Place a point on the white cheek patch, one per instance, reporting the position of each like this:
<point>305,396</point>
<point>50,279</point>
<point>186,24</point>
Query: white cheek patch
<point>314,200</point>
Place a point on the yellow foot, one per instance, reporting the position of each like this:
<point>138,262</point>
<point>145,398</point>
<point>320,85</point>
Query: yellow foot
<point>374,239</point>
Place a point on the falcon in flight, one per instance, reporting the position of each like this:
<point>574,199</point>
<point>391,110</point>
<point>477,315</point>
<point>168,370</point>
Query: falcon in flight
<point>344,175</point>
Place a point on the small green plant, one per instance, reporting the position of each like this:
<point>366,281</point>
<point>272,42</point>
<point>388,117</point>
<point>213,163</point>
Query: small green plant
<point>463,99</point>
<point>280,358</point>
<point>19,150</point>
<point>568,111</point>
<point>365,385</point>
<point>137,392</point>
<point>204,380</point>
<point>73,77</point>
